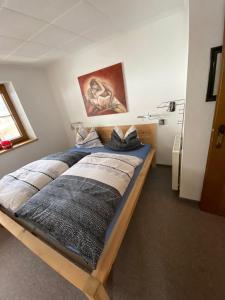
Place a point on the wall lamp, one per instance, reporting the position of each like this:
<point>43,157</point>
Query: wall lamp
<point>75,125</point>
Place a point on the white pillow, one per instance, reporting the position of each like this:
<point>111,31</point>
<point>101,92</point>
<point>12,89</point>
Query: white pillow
<point>130,130</point>
<point>119,132</point>
<point>87,139</point>
<point>81,134</point>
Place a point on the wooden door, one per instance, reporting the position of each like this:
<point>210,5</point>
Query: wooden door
<point>213,193</point>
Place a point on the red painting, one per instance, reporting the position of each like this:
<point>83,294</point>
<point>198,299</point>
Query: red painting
<point>103,91</point>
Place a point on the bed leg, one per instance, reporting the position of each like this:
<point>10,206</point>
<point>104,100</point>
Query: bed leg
<point>100,294</point>
<point>153,164</point>
<point>95,290</point>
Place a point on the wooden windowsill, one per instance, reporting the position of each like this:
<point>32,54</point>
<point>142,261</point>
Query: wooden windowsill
<point>18,145</point>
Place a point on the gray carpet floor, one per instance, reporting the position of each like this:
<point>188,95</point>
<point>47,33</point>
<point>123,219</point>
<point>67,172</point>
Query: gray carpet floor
<point>172,251</point>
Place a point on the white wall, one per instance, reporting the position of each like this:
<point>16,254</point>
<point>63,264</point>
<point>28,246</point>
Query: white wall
<point>154,58</point>
<point>34,92</point>
<point>206,19</point>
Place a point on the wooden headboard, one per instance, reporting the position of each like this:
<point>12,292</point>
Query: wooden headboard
<point>146,132</point>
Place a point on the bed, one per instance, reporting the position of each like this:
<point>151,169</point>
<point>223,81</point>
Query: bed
<point>91,281</point>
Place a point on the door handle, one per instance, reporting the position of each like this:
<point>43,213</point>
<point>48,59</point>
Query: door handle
<point>220,136</point>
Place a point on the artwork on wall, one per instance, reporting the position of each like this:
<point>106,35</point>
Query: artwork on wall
<point>103,91</point>
<point>214,73</point>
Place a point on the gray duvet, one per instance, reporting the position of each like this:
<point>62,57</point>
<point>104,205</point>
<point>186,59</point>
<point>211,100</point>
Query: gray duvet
<point>75,211</point>
<point>69,158</point>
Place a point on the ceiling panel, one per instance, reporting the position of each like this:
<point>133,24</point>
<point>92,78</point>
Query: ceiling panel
<point>81,18</point>
<point>31,50</point>
<point>129,14</point>
<point>101,32</point>
<point>13,24</point>
<point>54,36</point>
<point>42,9</point>
<point>8,45</point>
<point>19,59</point>
<point>76,44</point>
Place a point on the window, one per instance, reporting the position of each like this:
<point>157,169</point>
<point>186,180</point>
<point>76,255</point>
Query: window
<point>11,127</point>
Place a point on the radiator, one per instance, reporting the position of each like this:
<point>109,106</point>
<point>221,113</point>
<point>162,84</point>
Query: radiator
<point>176,162</point>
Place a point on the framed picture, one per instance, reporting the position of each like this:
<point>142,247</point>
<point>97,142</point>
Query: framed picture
<point>103,91</point>
<point>214,73</point>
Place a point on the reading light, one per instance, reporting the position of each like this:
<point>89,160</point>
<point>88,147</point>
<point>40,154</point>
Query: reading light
<point>150,117</point>
<point>170,107</point>
<point>75,125</point>
<point>159,117</point>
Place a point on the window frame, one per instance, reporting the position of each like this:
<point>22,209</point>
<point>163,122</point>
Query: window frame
<point>24,137</point>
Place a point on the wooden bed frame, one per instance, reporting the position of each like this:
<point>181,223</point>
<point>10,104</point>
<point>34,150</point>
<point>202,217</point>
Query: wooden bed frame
<point>91,284</point>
